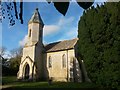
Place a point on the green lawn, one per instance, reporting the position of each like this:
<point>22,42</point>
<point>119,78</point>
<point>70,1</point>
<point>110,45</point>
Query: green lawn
<point>11,82</point>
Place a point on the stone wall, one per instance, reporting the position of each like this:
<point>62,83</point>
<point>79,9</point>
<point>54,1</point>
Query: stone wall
<point>57,72</point>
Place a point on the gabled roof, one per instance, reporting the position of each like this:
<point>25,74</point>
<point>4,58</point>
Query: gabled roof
<point>36,18</point>
<point>61,45</point>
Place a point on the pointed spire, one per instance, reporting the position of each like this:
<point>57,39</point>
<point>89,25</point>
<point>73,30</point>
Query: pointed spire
<point>36,18</point>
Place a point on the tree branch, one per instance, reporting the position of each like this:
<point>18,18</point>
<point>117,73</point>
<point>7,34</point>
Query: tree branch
<point>15,7</point>
<point>21,11</point>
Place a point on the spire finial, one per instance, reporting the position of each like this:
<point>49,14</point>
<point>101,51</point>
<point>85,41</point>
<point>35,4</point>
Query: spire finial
<point>37,9</point>
<point>36,18</point>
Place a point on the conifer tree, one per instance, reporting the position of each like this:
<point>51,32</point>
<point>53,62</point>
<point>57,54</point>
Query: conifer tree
<point>99,43</point>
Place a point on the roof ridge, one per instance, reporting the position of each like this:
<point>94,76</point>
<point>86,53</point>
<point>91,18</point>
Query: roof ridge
<point>53,42</point>
<point>69,39</point>
<point>62,41</point>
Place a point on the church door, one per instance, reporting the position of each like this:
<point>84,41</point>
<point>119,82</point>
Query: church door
<point>27,69</point>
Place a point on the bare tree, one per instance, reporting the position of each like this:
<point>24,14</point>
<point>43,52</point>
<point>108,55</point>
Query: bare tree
<point>15,59</point>
<point>2,51</point>
<point>17,52</point>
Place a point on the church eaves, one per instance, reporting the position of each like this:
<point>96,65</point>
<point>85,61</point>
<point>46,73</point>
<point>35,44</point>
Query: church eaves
<point>36,18</point>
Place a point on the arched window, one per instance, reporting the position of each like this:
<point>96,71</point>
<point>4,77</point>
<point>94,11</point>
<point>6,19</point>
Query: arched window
<point>64,61</point>
<point>50,62</point>
<point>27,70</point>
<point>30,33</point>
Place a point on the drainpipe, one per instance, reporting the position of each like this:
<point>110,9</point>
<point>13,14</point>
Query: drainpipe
<point>67,67</point>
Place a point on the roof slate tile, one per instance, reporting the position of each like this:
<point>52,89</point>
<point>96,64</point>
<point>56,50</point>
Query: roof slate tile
<point>61,45</point>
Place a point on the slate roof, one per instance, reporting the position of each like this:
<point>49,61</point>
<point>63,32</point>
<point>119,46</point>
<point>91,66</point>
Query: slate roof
<point>61,45</point>
<point>36,18</point>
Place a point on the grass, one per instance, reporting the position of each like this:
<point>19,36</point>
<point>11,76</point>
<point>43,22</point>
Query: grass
<point>10,82</point>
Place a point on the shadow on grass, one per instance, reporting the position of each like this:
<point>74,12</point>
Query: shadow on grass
<point>13,84</point>
<point>57,85</point>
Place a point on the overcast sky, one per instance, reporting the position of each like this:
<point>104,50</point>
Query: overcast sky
<point>57,27</point>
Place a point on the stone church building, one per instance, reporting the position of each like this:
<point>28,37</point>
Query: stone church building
<point>56,61</point>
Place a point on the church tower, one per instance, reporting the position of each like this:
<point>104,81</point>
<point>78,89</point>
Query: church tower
<point>31,65</point>
<point>35,28</point>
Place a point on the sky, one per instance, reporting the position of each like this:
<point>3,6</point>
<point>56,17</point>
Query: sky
<point>56,26</point>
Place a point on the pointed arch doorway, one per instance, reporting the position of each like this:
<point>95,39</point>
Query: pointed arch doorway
<point>27,70</point>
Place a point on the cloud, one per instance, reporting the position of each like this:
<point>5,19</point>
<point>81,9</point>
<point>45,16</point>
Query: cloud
<point>72,33</point>
<point>65,21</point>
<point>7,54</point>
<point>49,29</point>
<point>22,42</point>
<point>69,35</point>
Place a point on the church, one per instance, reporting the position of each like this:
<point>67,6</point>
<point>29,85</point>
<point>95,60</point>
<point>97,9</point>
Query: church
<point>55,61</point>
